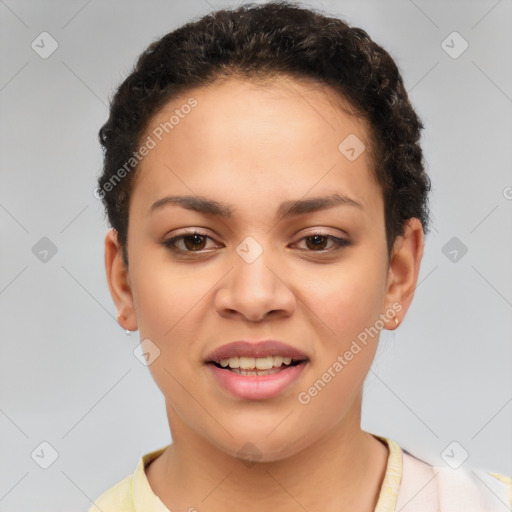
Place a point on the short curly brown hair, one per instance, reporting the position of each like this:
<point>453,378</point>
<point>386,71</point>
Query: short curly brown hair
<point>266,41</point>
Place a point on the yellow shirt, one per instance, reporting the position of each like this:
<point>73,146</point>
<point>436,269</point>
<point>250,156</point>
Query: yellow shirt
<point>409,485</point>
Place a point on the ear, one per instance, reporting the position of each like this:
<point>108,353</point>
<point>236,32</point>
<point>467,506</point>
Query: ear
<point>404,268</point>
<point>119,281</point>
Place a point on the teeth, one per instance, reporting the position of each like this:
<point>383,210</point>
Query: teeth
<point>234,362</point>
<point>247,363</point>
<point>259,363</point>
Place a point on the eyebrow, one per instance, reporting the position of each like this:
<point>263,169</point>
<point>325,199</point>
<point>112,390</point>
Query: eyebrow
<point>286,209</point>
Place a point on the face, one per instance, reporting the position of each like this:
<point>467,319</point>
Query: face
<point>312,275</point>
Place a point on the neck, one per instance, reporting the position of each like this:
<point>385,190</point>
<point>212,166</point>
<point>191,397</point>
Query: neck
<point>342,471</point>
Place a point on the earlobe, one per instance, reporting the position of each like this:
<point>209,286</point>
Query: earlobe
<point>119,281</point>
<point>404,267</point>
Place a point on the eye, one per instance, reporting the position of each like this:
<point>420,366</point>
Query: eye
<point>315,242</point>
<point>193,241</point>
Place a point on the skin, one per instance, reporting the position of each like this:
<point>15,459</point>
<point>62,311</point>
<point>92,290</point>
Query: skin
<point>252,146</point>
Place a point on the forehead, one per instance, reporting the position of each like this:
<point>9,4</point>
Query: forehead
<point>244,141</point>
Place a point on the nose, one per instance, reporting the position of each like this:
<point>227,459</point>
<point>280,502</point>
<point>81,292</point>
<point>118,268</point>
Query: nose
<point>255,290</point>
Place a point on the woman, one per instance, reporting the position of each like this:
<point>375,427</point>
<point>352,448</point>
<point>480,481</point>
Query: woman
<point>265,186</point>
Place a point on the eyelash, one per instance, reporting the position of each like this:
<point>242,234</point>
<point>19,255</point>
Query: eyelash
<point>170,244</point>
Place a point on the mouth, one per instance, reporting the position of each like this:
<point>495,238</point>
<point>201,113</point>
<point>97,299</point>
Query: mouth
<point>249,358</point>
<point>257,365</point>
<point>256,370</point>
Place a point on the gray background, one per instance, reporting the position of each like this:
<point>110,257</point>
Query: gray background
<point>68,376</point>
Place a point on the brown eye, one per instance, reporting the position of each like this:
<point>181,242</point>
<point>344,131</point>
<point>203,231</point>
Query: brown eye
<point>317,242</point>
<point>191,242</point>
<point>196,242</point>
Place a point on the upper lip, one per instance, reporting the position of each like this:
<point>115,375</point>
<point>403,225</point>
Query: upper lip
<point>255,349</point>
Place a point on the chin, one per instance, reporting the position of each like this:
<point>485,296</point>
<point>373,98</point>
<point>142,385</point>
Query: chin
<point>260,448</point>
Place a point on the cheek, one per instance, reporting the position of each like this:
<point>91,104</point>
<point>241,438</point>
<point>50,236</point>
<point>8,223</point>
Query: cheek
<point>346,310</point>
<point>166,294</point>
<point>347,299</point>
<point>346,307</point>
<point>332,394</point>
<point>167,303</point>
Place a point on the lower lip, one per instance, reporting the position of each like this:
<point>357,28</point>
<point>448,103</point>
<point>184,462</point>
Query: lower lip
<point>256,387</point>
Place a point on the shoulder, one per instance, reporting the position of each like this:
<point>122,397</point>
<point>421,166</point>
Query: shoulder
<point>116,499</point>
<point>473,489</point>
<point>133,492</point>
<point>463,489</point>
